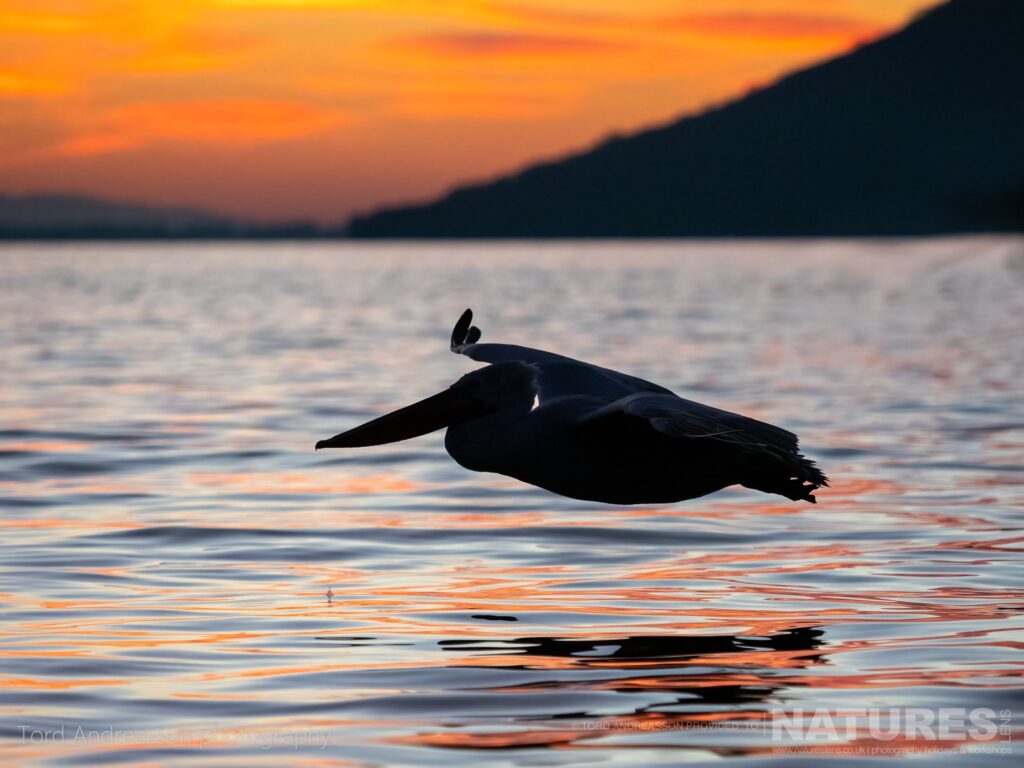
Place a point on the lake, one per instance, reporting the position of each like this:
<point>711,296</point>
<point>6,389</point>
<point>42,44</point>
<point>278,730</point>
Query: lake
<point>184,580</point>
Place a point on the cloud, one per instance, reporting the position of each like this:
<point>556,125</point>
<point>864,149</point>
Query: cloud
<point>13,22</point>
<point>485,101</point>
<point>504,44</point>
<point>215,121</point>
<point>538,15</point>
<point>27,84</point>
<point>148,94</point>
<point>775,25</point>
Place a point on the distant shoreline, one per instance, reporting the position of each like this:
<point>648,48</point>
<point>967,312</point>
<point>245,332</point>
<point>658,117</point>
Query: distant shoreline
<point>58,239</point>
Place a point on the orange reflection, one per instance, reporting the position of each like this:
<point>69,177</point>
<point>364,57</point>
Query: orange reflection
<point>501,740</point>
<point>50,522</point>
<point>301,483</point>
<point>56,685</point>
<point>47,446</point>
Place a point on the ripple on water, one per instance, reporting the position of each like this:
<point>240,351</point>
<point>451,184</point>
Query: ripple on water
<point>186,580</point>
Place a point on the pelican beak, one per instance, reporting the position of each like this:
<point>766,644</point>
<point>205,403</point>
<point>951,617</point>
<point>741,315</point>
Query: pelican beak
<point>445,408</point>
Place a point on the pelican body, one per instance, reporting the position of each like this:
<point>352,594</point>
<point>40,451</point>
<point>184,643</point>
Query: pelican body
<point>591,433</point>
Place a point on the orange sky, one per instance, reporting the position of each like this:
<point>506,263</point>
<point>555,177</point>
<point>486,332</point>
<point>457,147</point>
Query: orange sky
<point>279,109</point>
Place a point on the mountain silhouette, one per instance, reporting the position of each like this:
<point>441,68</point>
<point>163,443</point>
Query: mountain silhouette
<point>66,217</point>
<point>917,133</point>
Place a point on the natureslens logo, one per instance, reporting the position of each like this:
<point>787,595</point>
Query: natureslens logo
<point>945,724</point>
<point>852,731</point>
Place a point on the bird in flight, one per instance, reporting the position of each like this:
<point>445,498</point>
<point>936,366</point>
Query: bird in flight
<point>591,433</point>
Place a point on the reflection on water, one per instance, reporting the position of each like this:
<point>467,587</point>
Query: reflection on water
<point>183,577</point>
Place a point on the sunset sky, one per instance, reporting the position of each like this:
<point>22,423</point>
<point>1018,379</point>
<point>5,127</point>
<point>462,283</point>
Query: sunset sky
<point>284,109</point>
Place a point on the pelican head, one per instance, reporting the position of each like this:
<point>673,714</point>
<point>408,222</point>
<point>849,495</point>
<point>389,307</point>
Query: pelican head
<point>500,387</point>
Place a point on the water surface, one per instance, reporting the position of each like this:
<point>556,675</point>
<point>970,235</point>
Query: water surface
<point>184,580</point>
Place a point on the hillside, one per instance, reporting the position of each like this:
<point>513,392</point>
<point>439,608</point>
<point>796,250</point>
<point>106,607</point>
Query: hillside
<point>917,133</point>
<point>79,217</point>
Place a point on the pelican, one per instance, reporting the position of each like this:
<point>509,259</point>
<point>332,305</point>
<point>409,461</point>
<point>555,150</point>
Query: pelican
<point>591,433</point>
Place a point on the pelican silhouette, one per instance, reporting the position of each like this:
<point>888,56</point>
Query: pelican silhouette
<point>591,433</point>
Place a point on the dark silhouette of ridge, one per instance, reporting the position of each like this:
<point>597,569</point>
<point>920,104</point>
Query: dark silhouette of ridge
<point>916,133</point>
<point>66,217</point>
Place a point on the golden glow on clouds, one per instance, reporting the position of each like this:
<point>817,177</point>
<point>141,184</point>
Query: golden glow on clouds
<point>321,107</point>
<point>220,121</point>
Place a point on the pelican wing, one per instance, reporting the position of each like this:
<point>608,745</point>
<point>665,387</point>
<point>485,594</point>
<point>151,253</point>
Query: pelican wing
<point>681,419</point>
<point>556,375</point>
